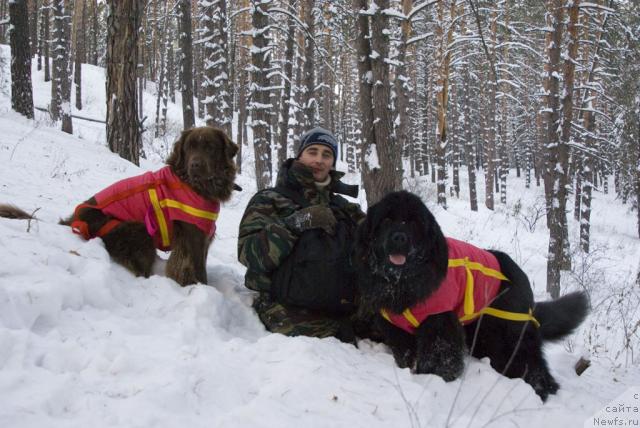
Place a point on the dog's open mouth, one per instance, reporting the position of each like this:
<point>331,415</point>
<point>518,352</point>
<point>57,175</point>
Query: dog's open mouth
<point>398,259</point>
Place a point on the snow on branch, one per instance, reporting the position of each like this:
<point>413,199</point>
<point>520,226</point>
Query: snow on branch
<point>373,9</point>
<point>393,13</point>
<point>420,7</point>
<point>596,6</point>
<point>418,38</point>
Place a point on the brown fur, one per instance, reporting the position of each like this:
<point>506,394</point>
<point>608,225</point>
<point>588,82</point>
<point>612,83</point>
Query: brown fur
<point>202,158</point>
<point>11,211</point>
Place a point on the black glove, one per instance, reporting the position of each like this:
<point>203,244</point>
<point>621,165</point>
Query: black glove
<point>313,217</point>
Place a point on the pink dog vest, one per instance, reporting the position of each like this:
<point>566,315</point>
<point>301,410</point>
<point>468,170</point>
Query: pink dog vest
<point>155,199</point>
<point>472,282</point>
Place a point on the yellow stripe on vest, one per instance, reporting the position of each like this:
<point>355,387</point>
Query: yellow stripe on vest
<point>477,266</point>
<point>409,317</point>
<point>196,212</point>
<point>162,222</point>
<point>498,313</point>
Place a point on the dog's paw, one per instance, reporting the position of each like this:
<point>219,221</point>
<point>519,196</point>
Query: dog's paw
<point>404,357</point>
<point>542,382</point>
<point>131,246</point>
<point>443,360</point>
<point>184,277</point>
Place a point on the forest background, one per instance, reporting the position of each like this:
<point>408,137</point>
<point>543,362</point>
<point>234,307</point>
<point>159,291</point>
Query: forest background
<point>549,89</point>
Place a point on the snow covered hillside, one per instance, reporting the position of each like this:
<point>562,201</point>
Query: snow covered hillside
<point>84,343</point>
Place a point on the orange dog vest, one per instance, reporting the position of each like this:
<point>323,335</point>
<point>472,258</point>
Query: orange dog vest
<point>472,282</point>
<point>155,199</point>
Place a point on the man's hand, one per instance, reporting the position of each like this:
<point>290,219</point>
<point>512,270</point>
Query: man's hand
<point>313,217</point>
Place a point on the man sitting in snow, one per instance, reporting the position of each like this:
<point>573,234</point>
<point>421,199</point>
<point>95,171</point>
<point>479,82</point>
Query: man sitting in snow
<point>295,241</point>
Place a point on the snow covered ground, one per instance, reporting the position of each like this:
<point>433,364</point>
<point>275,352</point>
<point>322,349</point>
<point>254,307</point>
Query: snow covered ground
<point>84,343</point>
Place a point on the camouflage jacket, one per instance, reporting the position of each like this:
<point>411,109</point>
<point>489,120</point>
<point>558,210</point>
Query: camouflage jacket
<point>264,241</point>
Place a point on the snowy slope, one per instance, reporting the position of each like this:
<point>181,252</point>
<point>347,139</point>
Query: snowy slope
<point>84,343</point>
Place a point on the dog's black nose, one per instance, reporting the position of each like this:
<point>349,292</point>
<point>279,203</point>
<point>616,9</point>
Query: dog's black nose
<point>399,238</point>
<point>196,165</point>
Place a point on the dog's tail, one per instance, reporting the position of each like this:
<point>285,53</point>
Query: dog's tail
<point>560,317</point>
<point>11,211</point>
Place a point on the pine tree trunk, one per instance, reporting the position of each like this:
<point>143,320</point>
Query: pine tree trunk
<point>587,175</point>
<point>505,90</point>
<point>298,93</point>
<point>557,152</point>
<point>285,100</point>
<point>382,169</point>
<point>152,55</point>
<point>566,124</point>
<point>123,129</point>
<point>207,12</point>
<point>33,26</point>
<point>221,83</point>
<point>588,171</point>
<point>490,144</point>
<point>403,84</point>
<point>365,97</point>
<point>244,41</point>
<point>57,51</point>
<point>92,33</point>
<point>21,87</point>
<point>66,66</point>
<point>442,98</point>
<point>217,100</point>
<point>40,34</point>
<point>466,131</point>
<point>260,106</point>
<point>309,103</point>
<point>46,23</point>
<point>171,68</point>
<point>3,12</point>
<point>79,43</point>
<point>161,83</point>
<point>327,95</point>
<point>140,71</point>
<point>578,188</point>
<point>186,62</point>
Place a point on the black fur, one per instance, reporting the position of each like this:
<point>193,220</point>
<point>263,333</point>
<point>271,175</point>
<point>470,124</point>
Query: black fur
<point>401,227</point>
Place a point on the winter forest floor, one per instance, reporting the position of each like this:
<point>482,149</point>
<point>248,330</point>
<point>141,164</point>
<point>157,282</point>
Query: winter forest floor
<point>84,343</point>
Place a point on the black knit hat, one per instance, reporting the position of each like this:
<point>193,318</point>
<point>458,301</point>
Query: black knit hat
<point>318,136</point>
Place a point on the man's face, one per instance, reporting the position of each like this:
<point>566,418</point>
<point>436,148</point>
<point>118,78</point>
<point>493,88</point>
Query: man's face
<point>319,158</point>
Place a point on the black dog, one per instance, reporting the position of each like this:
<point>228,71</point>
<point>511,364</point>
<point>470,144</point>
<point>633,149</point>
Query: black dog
<point>431,296</point>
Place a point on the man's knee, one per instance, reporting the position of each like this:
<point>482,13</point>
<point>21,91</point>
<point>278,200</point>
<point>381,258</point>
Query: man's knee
<point>293,321</point>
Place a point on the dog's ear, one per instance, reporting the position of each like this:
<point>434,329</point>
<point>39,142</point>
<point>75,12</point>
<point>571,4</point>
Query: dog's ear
<point>230,148</point>
<point>364,233</point>
<point>437,249</point>
<point>176,158</point>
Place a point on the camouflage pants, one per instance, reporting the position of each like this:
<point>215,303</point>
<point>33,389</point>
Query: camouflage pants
<point>297,321</point>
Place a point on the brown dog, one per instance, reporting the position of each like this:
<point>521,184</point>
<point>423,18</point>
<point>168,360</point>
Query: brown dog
<point>174,208</point>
